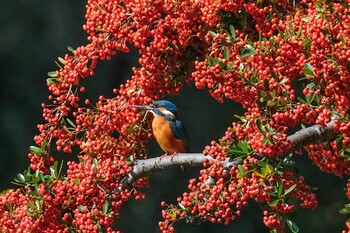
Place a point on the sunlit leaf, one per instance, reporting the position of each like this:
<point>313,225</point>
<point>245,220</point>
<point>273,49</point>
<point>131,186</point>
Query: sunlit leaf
<point>60,59</point>
<point>292,226</point>
<point>290,189</point>
<point>36,150</point>
<point>345,210</point>
<point>71,122</point>
<point>52,74</point>
<point>308,70</point>
<point>105,207</point>
<point>53,80</point>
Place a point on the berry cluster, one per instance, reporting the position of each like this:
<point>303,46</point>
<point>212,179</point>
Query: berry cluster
<point>285,62</point>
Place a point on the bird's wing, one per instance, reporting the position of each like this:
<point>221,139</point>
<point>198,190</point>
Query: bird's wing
<point>179,129</point>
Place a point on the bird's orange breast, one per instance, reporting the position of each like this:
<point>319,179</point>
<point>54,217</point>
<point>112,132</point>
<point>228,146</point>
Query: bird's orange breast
<point>165,137</point>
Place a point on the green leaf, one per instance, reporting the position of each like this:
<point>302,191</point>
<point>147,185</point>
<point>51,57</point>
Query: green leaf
<point>242,171</point>
<point>345,210</point>
<point>52,74</point>
<point>310,86</point>
<point>94,163</point>
<point>9,206</point>
<point>60,59</point>
<point>53,81</point>
<point>292,226</point>
<point>259,125</point>
<point>81,208</point>
<point>20,177</point>
<point>70,49</point>
<point>308,70</point>
<point>280,189</point>
<point>233,32</point>
<point>182,206</point>
<point>301,100</point>
<point>213,34</point>
<point>291,28</point>
<point>242,118</point>
<point>31,205</point>
<point>76,181</point>
<point>266,141</point>
<point>259,174</point>
<point>70,122</point>
<point>343,39</point>
<point>246,51</point>
<point>290,189</point>
<point>275,202</point>
<point>226,54</point>
<point>284,81</point>
<point>36,150</point>
<point>105,207</point>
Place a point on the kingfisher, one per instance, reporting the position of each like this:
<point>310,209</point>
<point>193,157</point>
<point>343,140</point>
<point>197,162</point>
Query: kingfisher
<point>168,129</point>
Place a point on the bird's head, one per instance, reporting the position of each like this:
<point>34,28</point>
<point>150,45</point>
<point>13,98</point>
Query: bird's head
<point>160,107</point>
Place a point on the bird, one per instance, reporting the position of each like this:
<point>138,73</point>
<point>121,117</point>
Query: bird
<point>168,129</point>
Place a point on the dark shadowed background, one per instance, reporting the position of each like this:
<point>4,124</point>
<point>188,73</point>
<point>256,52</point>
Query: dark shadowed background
<point>34,33</point>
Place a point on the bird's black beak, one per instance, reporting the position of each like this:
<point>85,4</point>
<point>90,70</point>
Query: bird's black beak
<point>143,107</point>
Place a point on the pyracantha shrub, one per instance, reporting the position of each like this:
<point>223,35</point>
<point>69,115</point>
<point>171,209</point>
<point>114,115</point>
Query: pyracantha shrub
<point>286,62</point>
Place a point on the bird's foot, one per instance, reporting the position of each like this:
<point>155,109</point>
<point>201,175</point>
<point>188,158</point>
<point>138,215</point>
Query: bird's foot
<point>164,155</point>
<point>172,156</point>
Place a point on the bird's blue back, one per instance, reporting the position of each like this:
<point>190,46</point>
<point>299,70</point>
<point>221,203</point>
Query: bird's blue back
<point>179,130</point>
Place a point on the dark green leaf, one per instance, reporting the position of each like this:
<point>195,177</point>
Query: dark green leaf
<point>275,202</point>
<point>9,206</point>
<point>242,171</point>
<point>280,189</point>
<point>259,125</point>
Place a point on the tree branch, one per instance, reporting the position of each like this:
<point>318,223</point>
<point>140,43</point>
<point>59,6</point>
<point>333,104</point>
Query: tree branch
<point>300,139</point>
<point>313,134</point>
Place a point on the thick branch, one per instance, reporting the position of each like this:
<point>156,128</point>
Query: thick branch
<point>300,139</point>
<point>313,134</point>
<point>145,167</point>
